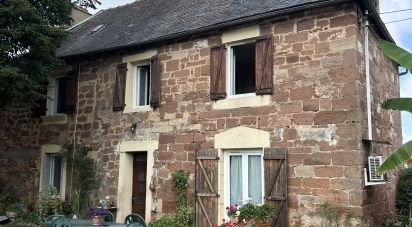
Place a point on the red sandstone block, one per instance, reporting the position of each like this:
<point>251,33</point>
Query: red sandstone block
<point>345,20</point>
<point>187,138</point>
<point>316,183</point>
<point>292,107</point>
<point>329,171</point>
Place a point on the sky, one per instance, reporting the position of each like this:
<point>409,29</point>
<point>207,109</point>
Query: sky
<point>400,31</point>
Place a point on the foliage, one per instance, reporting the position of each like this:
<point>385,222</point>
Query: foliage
<point>49,203</point>
<point>182,218</point>
<point>329,213</point>
<point>105,202</point>
<point>96,211</point>
<point>348,216</point>
<point>404,196</point>
<point>75,202</point>
<point>404,58</point>
<point>179,180</point>
<point>399,55</point>
<point>30,32</point>
<point>87,3</point>
<point>6,199</point>
<point>249,215</point>
<point>232,211</point>
<point>84,180</point>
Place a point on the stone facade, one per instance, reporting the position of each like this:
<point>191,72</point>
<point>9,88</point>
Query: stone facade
<point>317,112</point>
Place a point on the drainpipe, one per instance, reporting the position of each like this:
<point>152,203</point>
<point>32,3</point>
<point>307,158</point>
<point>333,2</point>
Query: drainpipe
<point>368,83</point>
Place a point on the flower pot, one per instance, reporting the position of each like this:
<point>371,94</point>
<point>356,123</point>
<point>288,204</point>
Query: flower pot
<point>97,220</point>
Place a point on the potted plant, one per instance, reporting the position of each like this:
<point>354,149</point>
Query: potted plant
<point>96,215</point>
<point>248,215</point>
<point>12,210</point>
<point>233,212</point>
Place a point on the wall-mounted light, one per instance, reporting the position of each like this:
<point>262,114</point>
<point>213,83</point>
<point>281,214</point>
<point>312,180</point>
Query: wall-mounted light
<point>133,127</point>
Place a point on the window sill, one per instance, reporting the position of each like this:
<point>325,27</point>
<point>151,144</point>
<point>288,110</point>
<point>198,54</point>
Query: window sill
<point>242,101</point>
<point>138,109</point>
<point>54,119</point>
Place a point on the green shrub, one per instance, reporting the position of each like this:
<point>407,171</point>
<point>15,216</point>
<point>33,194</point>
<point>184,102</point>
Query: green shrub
<point>182,218</point>
<point>404,196</point>
<point>49,203</point>
<point>329,213</point>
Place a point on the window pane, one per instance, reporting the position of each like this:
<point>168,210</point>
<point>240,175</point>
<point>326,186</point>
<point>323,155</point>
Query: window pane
<point>255,178</point>
<point>244,68</point>
<point>57,173</point>
<point>60,101</point>
<point>46,171</point>
<point>236,180</point>
<point>142,86</point>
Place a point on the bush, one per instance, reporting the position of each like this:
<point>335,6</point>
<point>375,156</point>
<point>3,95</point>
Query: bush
<point>404,196</point>
<point>182,218</point>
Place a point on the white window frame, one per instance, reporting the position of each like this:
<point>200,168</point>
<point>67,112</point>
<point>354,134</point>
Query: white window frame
<point>136,86</point>
<point>51,171</point>
<point>244,154</point>
<point>230,70</point>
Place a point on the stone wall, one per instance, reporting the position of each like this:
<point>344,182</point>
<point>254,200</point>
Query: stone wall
<point>316,112</point>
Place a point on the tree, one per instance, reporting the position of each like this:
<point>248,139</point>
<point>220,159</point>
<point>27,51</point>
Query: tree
<point>404,152</point>
<point>30,33</point>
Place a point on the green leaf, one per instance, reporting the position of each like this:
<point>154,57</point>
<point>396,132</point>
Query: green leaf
<point>399,55</point>
<point>400,155</point>
<point>402,104</point>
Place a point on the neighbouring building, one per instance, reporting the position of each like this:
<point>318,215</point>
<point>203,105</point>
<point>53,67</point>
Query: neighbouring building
<point>263,100</point>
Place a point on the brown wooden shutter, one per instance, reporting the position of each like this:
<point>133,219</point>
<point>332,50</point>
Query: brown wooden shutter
<point>120,87</point>
<point>206,187</point>
<point>71,92</point>
<point>218,72</point>
<point>276,184</point>
<point>154,81</point>
<point>40,108</point>
<point>264,65</point>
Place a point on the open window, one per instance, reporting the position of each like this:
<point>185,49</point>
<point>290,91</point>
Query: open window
<point>141,86</point>
<point>242,68</point>
<point>62,94</point>
<point>137,83</point>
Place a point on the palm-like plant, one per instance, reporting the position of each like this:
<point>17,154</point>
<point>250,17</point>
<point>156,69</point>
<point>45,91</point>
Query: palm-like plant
<point>404,152</point>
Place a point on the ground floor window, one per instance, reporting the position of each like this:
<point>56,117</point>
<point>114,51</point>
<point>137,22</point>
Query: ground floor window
<point>52,171</point>
<point>243,177</point>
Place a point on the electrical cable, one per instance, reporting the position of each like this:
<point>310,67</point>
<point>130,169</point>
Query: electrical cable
<point>396,11</point>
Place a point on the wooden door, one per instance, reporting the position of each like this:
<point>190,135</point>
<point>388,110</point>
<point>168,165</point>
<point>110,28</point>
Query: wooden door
<point>276,184</point>
<point>139,183</point>
<point>206,187</point>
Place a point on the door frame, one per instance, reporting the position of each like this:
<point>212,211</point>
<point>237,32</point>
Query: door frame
<point>125,183</point>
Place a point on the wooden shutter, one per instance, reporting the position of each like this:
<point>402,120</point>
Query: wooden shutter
<point>120,87</point>
<point>154,81</point>
<point>206,187</point>
<point>264,65</point>
<point>71,92</point>
<point>276,184</point>
<point>217,72</point>
<point>40,108</point>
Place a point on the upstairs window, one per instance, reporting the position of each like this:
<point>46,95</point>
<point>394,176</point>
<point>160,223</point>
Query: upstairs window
<point>141,85</point>
<point>242,78</point>
<point>63,94</point>
<point>242,68</point>
<point>59,95</point>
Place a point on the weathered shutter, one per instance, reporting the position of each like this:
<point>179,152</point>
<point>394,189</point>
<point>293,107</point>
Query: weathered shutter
<point>264,65</point>
<point>120,87</point>
<point>71,92</point>
<point>276,184</point>
<point>40,108</point>
<point>206,187</point>
<point>154,81</point>
<point>217,72</point>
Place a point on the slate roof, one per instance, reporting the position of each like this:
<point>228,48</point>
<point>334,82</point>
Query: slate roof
<point>149,21</point>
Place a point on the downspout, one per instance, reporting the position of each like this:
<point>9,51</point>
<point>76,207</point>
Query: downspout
<point>367,72</point>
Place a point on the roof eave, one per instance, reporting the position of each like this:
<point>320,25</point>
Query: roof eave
<point>214,27</point>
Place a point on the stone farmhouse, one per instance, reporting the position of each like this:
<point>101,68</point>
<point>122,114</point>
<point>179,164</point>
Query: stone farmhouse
<point>268,100</point>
